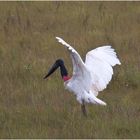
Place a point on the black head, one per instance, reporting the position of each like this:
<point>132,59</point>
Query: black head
<point>58,63</point>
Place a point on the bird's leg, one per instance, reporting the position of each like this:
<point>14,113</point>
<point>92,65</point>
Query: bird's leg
<point>84,108</point>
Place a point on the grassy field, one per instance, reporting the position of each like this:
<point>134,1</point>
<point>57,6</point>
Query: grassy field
<point>31,107</point>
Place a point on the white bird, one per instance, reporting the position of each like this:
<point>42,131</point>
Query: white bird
<point>89,77</point>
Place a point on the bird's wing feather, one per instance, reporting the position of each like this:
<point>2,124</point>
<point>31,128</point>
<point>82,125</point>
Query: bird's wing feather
<point>100,62</point>
<point>78,64</point>
<point>81,75</point>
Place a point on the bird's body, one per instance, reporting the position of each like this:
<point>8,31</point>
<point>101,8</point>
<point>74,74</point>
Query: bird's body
<point>91,76</point>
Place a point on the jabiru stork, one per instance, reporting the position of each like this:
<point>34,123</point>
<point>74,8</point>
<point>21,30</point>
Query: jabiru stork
<point>89,77</point>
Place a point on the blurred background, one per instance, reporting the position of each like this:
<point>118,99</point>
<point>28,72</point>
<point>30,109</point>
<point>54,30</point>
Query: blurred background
<point>31,107</point>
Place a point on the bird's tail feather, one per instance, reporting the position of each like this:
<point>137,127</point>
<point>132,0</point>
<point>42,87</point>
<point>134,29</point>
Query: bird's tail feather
<point>91,98</point>
<point>98,101</point>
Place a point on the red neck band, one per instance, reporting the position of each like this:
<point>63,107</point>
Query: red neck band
<point>65,78</point>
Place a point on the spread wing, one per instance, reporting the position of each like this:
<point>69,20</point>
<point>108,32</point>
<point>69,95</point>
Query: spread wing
<point>100,62</point>
<point>78,64</point>
<point>80,72</point>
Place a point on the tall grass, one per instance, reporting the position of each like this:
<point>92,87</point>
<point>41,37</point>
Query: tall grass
<point>31,107</point>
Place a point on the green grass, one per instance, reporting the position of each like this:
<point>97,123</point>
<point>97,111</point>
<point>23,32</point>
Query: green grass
<point>31,107</point>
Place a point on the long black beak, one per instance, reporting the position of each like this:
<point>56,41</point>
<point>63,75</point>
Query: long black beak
<point>52,70</point>
<point>58,63</point>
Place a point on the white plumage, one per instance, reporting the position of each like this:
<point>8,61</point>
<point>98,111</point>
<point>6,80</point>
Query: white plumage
<point>92,76</point>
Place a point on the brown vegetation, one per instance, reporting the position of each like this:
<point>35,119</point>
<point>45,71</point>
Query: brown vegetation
<point>31,107</point>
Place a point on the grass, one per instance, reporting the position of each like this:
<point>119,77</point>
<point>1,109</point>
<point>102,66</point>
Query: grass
<point>31,107</point>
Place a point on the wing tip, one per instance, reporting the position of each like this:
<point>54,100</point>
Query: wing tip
<point>119,63</point>
<point>57,37</point>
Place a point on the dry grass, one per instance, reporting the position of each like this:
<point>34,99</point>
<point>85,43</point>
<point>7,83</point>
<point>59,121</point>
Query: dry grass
<point>31,107</point>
